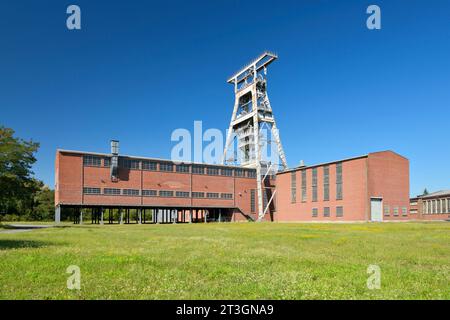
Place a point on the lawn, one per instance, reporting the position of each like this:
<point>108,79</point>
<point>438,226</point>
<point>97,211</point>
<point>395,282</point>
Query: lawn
<point>228,261</point>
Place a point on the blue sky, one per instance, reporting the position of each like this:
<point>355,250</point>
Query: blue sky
<point>137,70</point>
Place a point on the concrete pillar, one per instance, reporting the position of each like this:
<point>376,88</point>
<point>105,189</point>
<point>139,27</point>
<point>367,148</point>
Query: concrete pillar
<point>81,216</point>
<point>205,214</point>
<point>140,216</point>
<point>158,216</point>
<point>220,215</point>
<point>58,214</point>
<point>121,216</point>
<point>101,215</point>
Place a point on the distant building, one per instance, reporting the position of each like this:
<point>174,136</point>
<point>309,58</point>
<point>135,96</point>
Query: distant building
<point>433,206</point>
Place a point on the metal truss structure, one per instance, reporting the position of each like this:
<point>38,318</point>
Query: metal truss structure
<point>252,112</point>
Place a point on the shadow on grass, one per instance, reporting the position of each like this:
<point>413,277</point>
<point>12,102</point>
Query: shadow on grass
<point>18,244</point>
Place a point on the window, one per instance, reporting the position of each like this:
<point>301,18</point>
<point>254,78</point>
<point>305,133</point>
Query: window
<point>198,194</point>
<point>396,211</point>
<point>212,171</point>
<point>448,205</point>
<point>251,173</point>
<point>339,211</point>
<point>444,205</point>
<point>239,172</point>
<point>226,195</point>
<point>128,163</point>
<point>303,185</point>
<point>387,210</point>
<point>433,209</point>
<point>106,162</point>
<point>252,200</point>
<point>212,195</point>
<point>198,169</point>
<point>326,183</point>
<point>438,202</point>
<point>326,212</point>
<point>182,194</point>
<point>149,193</point>
<point>130,192</point>
<point>293,187</point>
<point>339,181</point>
<point>164,166</point>
<point>111,191</point>
<point>92,161</point>
<point>227,172</point>
<point>182,168</point>
<point>404,211</point>
<point>88,190</point>
<point>425,207</point>
<point>149,165</point>
<point>315,212</point>
<point>314,184</point>
<point>165,193</point>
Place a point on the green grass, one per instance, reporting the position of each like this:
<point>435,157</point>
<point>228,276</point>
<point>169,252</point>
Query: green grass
<point>228,261</point>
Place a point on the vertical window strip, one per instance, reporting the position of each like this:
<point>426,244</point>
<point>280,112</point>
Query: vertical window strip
<point>252,200</point>
<point>304,185</point>
<point>326,183</point>
<point>293,187</point>
<point>339,193</point>
<point>314,184</point>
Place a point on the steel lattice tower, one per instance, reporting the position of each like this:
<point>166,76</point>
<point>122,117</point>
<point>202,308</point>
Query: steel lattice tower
<point>252,112</point>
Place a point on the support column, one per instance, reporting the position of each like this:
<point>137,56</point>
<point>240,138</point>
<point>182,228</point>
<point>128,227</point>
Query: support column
<point>58,214</point>
<point>158,216</point>
<point>81,216</point>
<point>190,215</point>
<point>121,216</point>
<point>140,215</point>
<point>101,216</point>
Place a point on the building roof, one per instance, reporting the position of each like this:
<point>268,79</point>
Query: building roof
<point>440,193</point>
<point>336,161</point>
<point>322,164</point>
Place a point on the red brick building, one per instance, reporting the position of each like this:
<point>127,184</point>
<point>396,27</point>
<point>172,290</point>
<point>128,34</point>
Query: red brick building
<point>373,187</point>
<point>433,206</point>
<point>145,187</point>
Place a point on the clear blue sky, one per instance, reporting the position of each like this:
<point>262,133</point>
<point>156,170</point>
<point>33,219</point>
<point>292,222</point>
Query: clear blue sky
<point>140,69</point>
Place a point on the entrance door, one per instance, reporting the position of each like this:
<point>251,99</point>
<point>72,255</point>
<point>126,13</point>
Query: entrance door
<point>376,208</point>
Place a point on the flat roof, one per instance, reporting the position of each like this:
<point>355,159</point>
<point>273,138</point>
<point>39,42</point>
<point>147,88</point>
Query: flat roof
<point>440,193</point>
<point>321,164</point>
<point>150,159</point>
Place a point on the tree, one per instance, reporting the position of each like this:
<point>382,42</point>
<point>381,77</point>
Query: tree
<point>43,204</point>
<point>425,192</point>
<point>16,160</point>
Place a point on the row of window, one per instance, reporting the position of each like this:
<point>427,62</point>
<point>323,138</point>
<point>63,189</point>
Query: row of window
<point>395,211</point>
<point>326,212</point>
<point>96,161</point>
<point>437,206</point>
<point>315,186</point>
<point>155,193</point>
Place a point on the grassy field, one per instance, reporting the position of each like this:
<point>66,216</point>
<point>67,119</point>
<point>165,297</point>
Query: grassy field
<point>228,261</point>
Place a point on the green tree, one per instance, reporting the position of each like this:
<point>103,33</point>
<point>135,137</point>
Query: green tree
<point>16,160</point>
<point>43,204</point>
<point>425,192</point>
